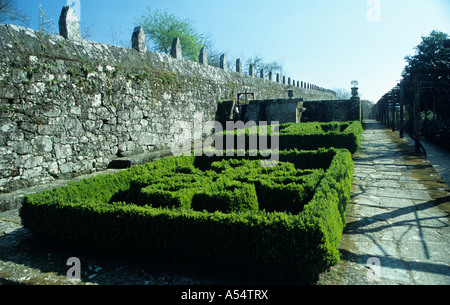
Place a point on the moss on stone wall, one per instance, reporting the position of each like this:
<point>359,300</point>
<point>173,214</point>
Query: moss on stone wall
<point>77,105</point>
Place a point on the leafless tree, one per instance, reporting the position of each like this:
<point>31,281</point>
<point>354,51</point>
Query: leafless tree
<point>46,25</point>
<point>86,30</point>
<point>116,33</point>
<point>10,12</point>
<point>342,94</point>
<point>259,63</point>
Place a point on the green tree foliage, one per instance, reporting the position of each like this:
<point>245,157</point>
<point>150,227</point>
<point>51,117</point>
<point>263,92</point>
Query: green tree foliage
<point>429,69</point>
<point>162,27</point>
<point>430,53</point>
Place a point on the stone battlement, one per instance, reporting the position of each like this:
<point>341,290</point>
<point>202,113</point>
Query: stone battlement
<point>69,107</point>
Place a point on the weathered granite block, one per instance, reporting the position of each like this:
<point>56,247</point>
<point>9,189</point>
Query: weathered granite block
<point>138,40</point>
<point>203,58</point>
<point>223,62</point>
<point>251,70</point>
<point>69,27</point>
<point>238,65</point>
<point>176,51</point>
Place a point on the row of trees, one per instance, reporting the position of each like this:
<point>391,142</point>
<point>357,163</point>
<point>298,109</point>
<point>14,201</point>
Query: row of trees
<point>420,103</point>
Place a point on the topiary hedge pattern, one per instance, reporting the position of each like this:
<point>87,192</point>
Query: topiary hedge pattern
<point>314,135</point>
<point>115,212</point>
<point>301,136</point>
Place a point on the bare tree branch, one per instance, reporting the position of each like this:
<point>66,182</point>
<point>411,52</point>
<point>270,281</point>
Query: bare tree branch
<point>86,30</point>
<point>10,12</point>
<point>45,25</point>
<point>342,94</point>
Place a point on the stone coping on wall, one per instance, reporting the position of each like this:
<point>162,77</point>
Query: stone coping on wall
<point>70,107</point>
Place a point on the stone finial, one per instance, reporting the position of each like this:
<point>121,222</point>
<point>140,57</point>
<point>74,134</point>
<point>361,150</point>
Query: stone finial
<point>270,75</point>
<point>284,79</point>
<point>69,27</point>
<point>278,77</point>
<point>262,73</point>
<point>251,70</point>
<point>238,66</point>
<point>138,40</point>
<point>223,62</point>
<point>176,51</point>
<point>203,57</point>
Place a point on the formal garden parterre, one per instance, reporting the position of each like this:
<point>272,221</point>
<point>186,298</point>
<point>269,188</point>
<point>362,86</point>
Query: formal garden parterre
<point>287,219</point>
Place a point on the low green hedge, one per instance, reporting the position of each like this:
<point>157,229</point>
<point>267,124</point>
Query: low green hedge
<point>233,197</point>
<point>95,212</point>
<point>230,185</point>
<point>336,134</point>
<point>302,136</point>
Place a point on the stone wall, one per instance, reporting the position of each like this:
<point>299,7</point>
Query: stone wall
<point>332,110</point>
<point>70,107</point>
<point>279,110</point>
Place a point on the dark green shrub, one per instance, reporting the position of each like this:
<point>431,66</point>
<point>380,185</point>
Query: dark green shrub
<point>233,197</point>
<point>162,195</point>
<point>314,135</point>
<point>304,244</point>
<point>303,136</point>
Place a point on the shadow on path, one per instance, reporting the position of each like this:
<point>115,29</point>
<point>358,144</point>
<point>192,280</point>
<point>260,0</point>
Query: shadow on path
<point>398,212</point>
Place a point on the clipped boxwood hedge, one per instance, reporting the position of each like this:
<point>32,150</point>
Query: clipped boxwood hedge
<point>98,212</point>
<point>313,135</point>
<point>302,136</point>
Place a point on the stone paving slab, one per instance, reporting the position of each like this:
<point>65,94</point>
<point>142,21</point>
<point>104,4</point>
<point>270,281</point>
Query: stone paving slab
<point>394,218</point>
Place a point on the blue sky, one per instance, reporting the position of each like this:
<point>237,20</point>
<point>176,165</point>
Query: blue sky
<point>325,42</point>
